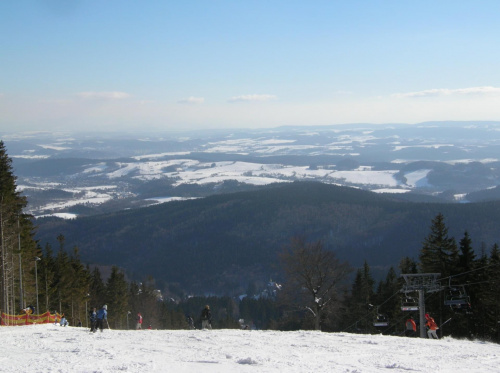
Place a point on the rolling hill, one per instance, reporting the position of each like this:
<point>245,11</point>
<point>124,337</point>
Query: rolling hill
<point>220,243</point>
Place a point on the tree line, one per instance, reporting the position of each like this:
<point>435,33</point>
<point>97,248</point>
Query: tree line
<point>464,298</point>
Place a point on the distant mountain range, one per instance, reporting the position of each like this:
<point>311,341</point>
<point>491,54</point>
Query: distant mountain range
<point>210,210</point>
<point>86,174</point>
<point>221,243</point>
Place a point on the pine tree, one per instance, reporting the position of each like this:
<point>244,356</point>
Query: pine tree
<point>63,279</point>
<point>387,300</point>
<point>466,258</point>
<point>17,246</point>
<point>494,301</point>
<point>117,298</point>
<point>464,281</point>
<point>97,289</point>
<point>408,266</point>
<point>359,311</point>
<point>80,284</point>
<point>47,278</point>
<point>489,299</point>
<point>439,252</point>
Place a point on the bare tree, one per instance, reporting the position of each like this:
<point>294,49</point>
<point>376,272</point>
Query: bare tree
<point>313,277</point>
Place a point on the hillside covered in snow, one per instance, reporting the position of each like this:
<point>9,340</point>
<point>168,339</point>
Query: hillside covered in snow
<point>51,348</point>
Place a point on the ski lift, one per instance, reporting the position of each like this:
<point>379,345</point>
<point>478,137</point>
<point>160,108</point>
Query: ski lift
<point>381,320</point>
<point>409,303</point>
<point>456,297</point>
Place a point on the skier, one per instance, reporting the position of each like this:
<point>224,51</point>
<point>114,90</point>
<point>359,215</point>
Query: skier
<point>432,327</point>
<point>206,318</point>
<point>190,322</point>
<point>102,315</point>
<point>63,321</point>
<point>138,319</point>
<point>411,327</point>
<point>93,319</point>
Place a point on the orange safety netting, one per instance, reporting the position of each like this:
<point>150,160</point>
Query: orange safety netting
<point>29,319</point>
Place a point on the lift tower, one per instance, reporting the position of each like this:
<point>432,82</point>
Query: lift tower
<point>422,283</point>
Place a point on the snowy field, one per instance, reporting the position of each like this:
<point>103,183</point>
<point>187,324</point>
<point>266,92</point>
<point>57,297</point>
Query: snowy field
<point>51,348</point>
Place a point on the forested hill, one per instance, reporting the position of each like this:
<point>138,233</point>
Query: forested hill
<point>222,242</point>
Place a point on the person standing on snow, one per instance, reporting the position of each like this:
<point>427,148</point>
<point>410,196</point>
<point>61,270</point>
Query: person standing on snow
<point>190,322</point>
<point>206,318</point>
<point>432,327</point>
<point>411,327</point>
<point>138,319</point>
<point>93,319</point>
<point>63,321</point>
<point>102,315</point>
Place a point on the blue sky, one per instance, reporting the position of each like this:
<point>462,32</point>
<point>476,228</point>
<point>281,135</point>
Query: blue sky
<point>169,65</point>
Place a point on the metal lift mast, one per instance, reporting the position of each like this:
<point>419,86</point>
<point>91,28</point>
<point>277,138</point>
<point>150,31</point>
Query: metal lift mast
<point>421,282</point>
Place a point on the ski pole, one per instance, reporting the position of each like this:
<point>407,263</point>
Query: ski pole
<point>445,322</point>
<point>108,324</point>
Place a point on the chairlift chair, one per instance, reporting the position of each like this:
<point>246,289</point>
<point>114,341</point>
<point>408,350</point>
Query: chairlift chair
<point>456,297</point>
<point>409,303</point>
<point>381,320</point>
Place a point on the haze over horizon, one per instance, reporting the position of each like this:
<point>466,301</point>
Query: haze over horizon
<point>193,65</point>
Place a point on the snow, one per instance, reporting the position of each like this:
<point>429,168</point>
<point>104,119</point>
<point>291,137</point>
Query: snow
<point>159,200</point>
<point>432,146</point>
<point>51,348</point>
<point>62,215</point>
<point>53,147</point>
<point>417,178</point>
<point>389,190</point>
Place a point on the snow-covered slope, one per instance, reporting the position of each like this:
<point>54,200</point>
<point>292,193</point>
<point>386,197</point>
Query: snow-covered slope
<point>50,348</point>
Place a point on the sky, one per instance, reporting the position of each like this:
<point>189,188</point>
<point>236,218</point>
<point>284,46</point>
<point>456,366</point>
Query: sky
<point>52,348</point>
<point>185,65</point>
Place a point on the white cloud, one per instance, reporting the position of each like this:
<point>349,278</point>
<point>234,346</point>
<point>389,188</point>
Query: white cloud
<point>244,98</point>
<point>103,95</point>
<point>192,100</point>
<point>450,92</point>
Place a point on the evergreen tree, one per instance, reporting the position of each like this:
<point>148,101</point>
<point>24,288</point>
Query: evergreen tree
<point>359,311</point>
<point>482,297</point>
<point>493,274</point>
<point>465,284</point>
<point>117,298</point>
<point>466,258</point>
<point>408,266</point>
<point>439,252</point>
<point>17,246</point>
<point>80,284</point>
<point>63,278</point>
<point>47,278</point>
<point>97,289</point>
<point>487,306</point>
<point>388,302</point>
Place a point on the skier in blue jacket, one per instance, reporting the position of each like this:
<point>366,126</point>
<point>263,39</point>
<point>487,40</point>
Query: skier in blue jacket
<point>93,319</point>
<point>102,315</point>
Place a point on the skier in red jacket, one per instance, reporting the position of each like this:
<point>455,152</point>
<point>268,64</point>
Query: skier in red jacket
<point>432,327</point>
<point>411,327</point>
<point>138,319</point>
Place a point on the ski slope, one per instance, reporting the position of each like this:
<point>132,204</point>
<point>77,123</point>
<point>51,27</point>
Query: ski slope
<point>51,348</point>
